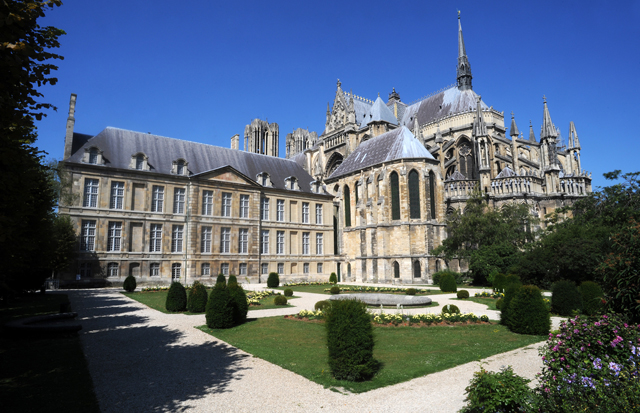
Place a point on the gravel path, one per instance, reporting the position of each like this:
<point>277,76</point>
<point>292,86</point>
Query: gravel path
<point>142,360</point>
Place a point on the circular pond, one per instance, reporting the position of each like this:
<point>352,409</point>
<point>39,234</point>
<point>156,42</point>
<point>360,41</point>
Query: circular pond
<point>385,299</point>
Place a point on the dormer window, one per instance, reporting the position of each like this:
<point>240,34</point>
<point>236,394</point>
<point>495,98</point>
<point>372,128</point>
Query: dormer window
<point>180,167</point>
<point>93,156</point>
<point>263,179</point>
<point>140,162</point>
<point>291,183</point>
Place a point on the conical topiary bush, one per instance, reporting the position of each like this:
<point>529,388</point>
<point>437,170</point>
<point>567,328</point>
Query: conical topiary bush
<point>176,298</point>
<point>197,298</point>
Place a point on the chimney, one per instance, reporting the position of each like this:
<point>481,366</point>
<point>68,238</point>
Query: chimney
<point>71,120</point>
<point>235,142</point>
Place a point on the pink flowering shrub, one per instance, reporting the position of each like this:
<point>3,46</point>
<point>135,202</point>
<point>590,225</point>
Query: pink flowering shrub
<point>591,364</point>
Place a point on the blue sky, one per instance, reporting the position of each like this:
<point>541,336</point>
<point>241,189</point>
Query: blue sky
<point>202,70</point>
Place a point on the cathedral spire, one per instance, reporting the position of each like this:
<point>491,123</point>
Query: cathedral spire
<point>514,128</point>
<point>574,143</point>
<point>532,135</point>
<point>464,69</point>
<point>548,129</point>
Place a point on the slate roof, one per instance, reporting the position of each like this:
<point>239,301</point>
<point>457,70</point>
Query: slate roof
<point>119,145</point>
<point>379,112</point>
<point>396,144</point>
<point>442,104</point>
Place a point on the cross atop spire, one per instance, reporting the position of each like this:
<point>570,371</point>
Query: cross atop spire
<point>464,69</point>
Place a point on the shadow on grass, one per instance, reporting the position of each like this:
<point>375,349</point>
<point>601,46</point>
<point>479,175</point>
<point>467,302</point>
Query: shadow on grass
<point>139,366</point>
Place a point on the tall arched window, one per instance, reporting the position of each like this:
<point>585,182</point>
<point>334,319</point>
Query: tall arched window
<point>416,269</point>
<point>414,194</point>
<point>395,196</point>
<point>347,207</point>
<point>396,269</point>
<point>432,193</point>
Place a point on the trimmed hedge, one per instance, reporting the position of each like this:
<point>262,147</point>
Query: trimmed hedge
<point>232,279</point>
<point>288,292</point>
<point>509,292</point>
<point>221,279</point>
<point>220,307</point>
<point>437,276</point>
<point>198,296</point>
<point>499,281</point>
<point>565,298</point>
<point>274,280</point>
<point>411,291</point>
<point>321,305</point>
<point>499,303</point>
<point>334,290</point>
<point>333,278</point>
<point>176,298</point>
<point>239,303</point>
<point>591,298</point>
<point>463,294</point>
<point>130,284</point>
<point>280,300</point>
<point>450,309</point>
<point>448,283</point>
<point>350,340</point>
<point>528,313</point>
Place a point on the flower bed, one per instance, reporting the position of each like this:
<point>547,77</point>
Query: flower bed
<point>295,284</point>
<point>254,297</point>
<point>405,319</point>
<point>491,294</point>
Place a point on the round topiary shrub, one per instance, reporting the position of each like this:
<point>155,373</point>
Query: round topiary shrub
<point>220,307</point>
<point>274,280</point>
<point>350,340</point>
<point>176,298</point>
<point>280,300</point>
<point>130,284</point>
<point>288,292</point>
<point>450,309</point>
<point>591,298</point>
<point>528,313</point>
<point>448,283</point>
<point>411,291</point>
<point>565,298</point>
<point>232,279</point>
<point>198,296</point>
<point>463,294</point>
<point>333,278</point>
<point>239,301</point>
<point>499,303</point>
<point>334,290</point>
<point>321,305</point>
<point>221,279</point>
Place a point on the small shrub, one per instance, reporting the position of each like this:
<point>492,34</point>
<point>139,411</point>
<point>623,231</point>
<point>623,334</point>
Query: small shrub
<point>176,298</point>
<point>411,291</point>
<point>528,313</point>
<point>129,284</point>
<point>239,301</point>
<point>509,292</point>
<point>438,276</point>
<point>232,279</point>
<point>484,318</point>
<point>450,309</point>
<point>280,300</point>
<point>334,290</point>
<point>274,280</point>
<point>499,303</point>
<point>591,298</point>
<point>288,292</point>
<point>463,294</point>
<point>499,281</point>
<point>333,278</point>
<point>221,279</point>
<point>321,305</point>
<point>350,340</point>
<point>448,283</point>
<point>198,296</point>
<point>220,307</point>
<point>565,298</point>
<point>501,391</point>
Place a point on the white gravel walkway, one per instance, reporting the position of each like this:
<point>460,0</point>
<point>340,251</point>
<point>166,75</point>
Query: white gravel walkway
<point>142,360</point>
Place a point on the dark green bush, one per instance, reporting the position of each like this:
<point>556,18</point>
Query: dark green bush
<point>448,283</point>
<point>232,279</point>
<point>220,307</point>
<point>499,303</point>
<point>239,301</point>
<point>450,309</point>
<point>288,292</point>
<point>350,340</point>
<point>198,295</point>
<point>591,298</point>
<point>438,276</point>
<point>528,313</point>
<point>176,298</point>
<point>463,294</point>
<point>334,290</point>
<point>130,284</point>
<point>333,278</point>
<point>221,279</point>
<point>274,280</point>
<point>321,305</point>
<point>280,300</point>
<point>501,391</point>
<point>565,298</point>
<point>499,281</point>
<point>509,292</point>
<point>411,291</point>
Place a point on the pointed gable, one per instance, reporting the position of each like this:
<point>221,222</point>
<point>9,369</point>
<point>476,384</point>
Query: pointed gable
<point>379,112</point>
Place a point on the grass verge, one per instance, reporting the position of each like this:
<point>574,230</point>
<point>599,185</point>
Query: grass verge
<point>43,374</point>
<point>489,302</point>
<point>405,352</point>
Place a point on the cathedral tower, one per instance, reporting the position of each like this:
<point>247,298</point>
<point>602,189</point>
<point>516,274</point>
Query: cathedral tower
<point>464,68</point>
<point>261,137</point>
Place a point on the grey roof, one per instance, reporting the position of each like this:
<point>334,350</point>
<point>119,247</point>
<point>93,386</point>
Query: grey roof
<point>396,144</point>
<point>457,176</point>
<point>379,112</point>
<point>441,105</point>
<point>119,145</point>
<point>506,173</point>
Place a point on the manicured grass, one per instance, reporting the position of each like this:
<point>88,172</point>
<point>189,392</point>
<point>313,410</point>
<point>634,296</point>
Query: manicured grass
<point>319,289</point>
<point>405,352</point>
<point>489,302</point>
<point>43,374</point>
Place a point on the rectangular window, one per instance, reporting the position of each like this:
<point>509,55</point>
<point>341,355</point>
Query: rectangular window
<point>305,243</point>
<point>305,212</point>
<point>225,240</point>
<point>319,244</point>
<point>280,210</point>
<point>90,193</point>
<point>178,201</point>
<point>305,268</point>
<point>207,202</point>
<point>154,269</point>
<point>155,238</point>
<point>115,236</point>
<point>176,272</point>
<point>205,269</point>
<point>205,245</point>
<point>117,195</point>
<point>243,241</point>
<point>224,268</point>
<point>318,213</point>
<point>112,269</point>
<point>280,242</point>
<point>280,268</point>
<point>264,242</point>
<point>244,206</point>
<point>226,204</point>
<point>176,238</point>
<point>264,268</point>
<point>85,270</point>
<point>319,269</point>
<point>243,269</point>
<point>264,209</point>
<point>88,238</point>
<point>157,198</point>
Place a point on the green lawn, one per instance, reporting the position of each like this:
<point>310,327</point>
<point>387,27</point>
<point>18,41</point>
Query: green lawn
<point>393,307</point>
<point>405,352</point>
<point>489,302</point>
<point>319,289</point>
<point>43,374</point>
